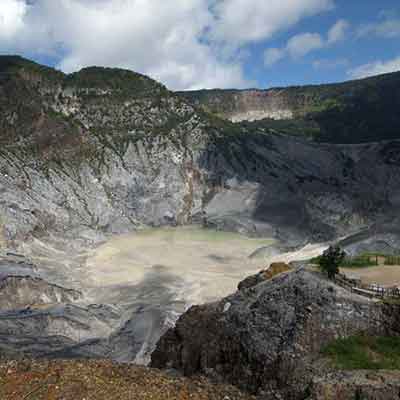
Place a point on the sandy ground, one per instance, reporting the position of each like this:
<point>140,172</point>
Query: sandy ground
<point>385,275</point>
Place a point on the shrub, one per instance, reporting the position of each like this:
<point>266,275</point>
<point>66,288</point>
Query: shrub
<point>330,261</point>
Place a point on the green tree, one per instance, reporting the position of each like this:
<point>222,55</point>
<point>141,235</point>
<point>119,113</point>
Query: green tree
<point>330,261</point>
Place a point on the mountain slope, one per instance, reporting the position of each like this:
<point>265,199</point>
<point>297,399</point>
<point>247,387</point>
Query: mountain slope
<point>108,150</point>
<point>351,112</point>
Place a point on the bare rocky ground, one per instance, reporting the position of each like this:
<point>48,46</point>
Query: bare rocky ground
<point>350,385</point>
<point>103,380</point>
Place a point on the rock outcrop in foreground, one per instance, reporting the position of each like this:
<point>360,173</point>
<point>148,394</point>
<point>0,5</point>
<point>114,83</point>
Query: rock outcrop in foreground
<point>267,338</point>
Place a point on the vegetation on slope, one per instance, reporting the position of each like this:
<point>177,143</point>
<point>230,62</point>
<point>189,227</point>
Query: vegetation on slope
<point>120,82</point>
<point>83,116</point>
<point>364,352</point>
<point>11,66</point>
<point>365,260</point>
<point>350,112</point>
<point>54,116</point>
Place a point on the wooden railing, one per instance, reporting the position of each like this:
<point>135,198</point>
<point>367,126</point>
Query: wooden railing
<point>368,290</point>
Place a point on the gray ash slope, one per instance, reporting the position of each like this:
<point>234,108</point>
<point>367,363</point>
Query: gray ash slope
<point>106,151</point>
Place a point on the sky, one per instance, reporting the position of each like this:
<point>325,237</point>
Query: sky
<point>195,44</point>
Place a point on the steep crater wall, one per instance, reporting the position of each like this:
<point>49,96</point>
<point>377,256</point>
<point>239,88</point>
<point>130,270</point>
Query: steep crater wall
<point>107,151</point>
<point>350,112</point>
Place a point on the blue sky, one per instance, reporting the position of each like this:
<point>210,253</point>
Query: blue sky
<point>333,63</point>
<point>192,44</point>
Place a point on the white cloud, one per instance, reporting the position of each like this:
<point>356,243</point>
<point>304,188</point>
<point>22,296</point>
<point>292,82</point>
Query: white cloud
<point>338,31</point>
<point>242,21</point>
<point>12,13</point>
<point>157,37</point>
<point>330,63</point>
<point>273,55</point>
<point>388,28</point>
<point>302,44</point>
<point>182,43</point>
<point>375,68</point>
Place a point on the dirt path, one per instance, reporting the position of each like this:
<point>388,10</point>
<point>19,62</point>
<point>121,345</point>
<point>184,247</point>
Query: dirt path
<point>385,275</point>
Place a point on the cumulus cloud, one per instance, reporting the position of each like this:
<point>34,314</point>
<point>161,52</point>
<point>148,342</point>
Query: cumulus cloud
<point>375,68</point>
<point>242,21</point>
<point>338,31</point>
<point>273,55</point>
<point>302,44</point>
<point>388,27</point>
<point>182,43</point>
<point>330,63</point>
<point>157,37</point>
<point>12,13</point>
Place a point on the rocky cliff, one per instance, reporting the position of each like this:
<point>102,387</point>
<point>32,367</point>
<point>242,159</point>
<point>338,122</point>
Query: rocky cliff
<point>267,338</point>
<point>19,292</point>
<point>350,112</point>
<point>105,151</point>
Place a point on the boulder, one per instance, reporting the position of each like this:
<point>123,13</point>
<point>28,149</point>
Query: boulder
<point>266,339</point>
<point>268,273</point>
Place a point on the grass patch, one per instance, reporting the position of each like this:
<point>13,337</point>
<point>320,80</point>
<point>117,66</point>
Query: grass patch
<point>364,352</point>
<point>391,301</point>
<point>359,262</point>
<point>365,260</point>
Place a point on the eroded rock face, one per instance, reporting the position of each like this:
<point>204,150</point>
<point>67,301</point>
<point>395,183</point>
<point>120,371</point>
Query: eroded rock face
<point>106,151</point>
<point>249,105</point>
<point>350,112</point>
<point>39,318</point>
<point>24,291</point>
<point>265,338</point>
